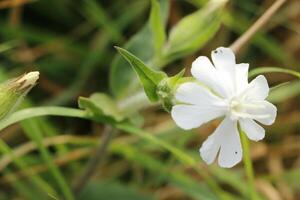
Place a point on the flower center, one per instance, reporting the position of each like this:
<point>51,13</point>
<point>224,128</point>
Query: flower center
<point>235,108</point>
<point>235,105</point>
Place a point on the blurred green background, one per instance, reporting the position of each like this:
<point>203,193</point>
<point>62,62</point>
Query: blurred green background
<point>72,44</point>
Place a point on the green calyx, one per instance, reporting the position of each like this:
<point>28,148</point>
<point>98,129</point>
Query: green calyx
<point>166,90</point>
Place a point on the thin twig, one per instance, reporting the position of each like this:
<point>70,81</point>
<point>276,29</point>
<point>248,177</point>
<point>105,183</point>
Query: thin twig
<point>94,161</point>
<point>236,46</point>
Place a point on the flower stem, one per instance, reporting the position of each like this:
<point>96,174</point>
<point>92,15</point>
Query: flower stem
<point>248,166</point>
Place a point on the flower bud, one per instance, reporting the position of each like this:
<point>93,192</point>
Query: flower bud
<point>13,91</point>
<point>166,88</point>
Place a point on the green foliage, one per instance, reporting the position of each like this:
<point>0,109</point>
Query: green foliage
<point>166,90</point>
<point>190,34</point>
<point>150,157</point>
<point>122,78</point>
<point>148,77</point>
<point>285,92</point>
<point>102,106</point>
<point>195,30</point>
<point>157,27</point>
<point>262,70</point>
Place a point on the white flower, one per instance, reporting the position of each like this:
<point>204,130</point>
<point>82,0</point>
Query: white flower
<point>223,91</point>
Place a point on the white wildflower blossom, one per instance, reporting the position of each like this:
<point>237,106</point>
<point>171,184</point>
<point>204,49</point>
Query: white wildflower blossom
<point>226,93</point>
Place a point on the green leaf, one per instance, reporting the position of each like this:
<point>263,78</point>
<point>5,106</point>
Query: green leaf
<point>157,26</point>
<point>123,81</point>
<point>262,70</point>
<point>285,92</point>
<point>101,105</point>
<point>194,30</point>
<point>148,77</point>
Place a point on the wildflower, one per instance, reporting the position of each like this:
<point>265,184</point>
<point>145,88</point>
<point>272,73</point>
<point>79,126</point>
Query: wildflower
<point>13,91</point>
<point>222,90</point>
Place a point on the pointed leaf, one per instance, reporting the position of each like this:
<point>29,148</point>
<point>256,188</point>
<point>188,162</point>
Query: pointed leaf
<point>123,81</point>
<point>148,77</point>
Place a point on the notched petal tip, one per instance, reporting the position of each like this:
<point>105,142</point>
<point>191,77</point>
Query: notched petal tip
<point>258,88</point>
<point>271,110</point>
<point>223,55</point>
<point>231,152</point>
<point>209,149</point>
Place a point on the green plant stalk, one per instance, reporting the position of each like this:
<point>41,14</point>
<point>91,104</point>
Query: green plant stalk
<point>248,165</point>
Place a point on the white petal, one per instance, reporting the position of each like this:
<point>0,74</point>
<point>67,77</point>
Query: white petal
<point>258,89</point>
<point>206,73</point>
<point>193,116</point>
<point>224,61</point>
<point>231,148</point>
<point>253,130</point>
<point>223,58</point>
<point>263,111</point>
<point>211,145</point>
<point>241,76</point>
<point>193,93</point>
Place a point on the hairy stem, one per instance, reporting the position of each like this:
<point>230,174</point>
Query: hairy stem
<point>237,45</point>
